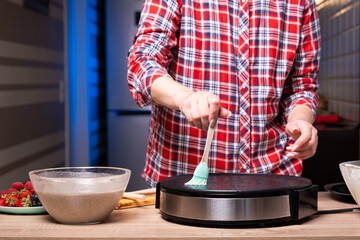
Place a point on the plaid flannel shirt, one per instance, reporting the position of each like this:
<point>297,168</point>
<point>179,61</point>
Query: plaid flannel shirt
<point>261,57</point>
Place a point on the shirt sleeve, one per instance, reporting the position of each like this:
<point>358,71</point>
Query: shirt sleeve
<point>150,54</point>
<point>302,83</point>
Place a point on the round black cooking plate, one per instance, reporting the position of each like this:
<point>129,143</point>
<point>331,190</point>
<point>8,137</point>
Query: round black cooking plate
<point>235,185</point>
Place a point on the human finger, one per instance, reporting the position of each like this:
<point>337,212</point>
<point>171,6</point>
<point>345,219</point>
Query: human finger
<point>203,109</point>
<point>185,108</point>
<point>307,145</point>
<point>224,113</point>
<point>306,150</point>
<point>214,108</point>
<point>305,154</point>
<point>292,129</point>
<point>308,136</point>
<point>304,137</point>
<point>195,114</point>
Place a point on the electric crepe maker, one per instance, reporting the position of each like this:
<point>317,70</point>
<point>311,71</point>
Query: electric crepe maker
<point>236,200</point>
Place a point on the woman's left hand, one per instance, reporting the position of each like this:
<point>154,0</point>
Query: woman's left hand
<point>306,139</point>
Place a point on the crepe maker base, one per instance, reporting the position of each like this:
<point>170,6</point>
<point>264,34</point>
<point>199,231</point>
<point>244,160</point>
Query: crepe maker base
<point>235,200</point>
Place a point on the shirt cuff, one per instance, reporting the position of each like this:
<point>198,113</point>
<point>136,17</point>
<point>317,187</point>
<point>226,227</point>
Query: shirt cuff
<point>141,81</point>
<point>309,99</point>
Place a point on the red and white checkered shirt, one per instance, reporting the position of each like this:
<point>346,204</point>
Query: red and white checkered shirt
<point>261,57</point>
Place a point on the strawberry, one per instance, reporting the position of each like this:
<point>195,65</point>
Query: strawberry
<point>11,200</point>
<point>19,204</point>
<point>24,193</point>
<point>2,192</point>
<point>32,191</point>
<point>28,185</point>
<point>18,185</point>
<point>25,202</point>
<point>12,191</point>
<point>3,202</point>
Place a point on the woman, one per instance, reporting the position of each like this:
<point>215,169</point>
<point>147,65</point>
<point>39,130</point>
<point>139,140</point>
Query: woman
<point>198,60</point>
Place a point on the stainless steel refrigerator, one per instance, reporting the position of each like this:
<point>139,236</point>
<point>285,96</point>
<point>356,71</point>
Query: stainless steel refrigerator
<point>127,123</point>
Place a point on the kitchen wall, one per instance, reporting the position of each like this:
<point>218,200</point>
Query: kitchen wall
<point>31,89</point>
<point>340,72</point>
<point>97,83</point>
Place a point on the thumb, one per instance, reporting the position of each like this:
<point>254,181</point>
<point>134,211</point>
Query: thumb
<point>224,113</point>
<point>292,129</point>
<point>295,131</point>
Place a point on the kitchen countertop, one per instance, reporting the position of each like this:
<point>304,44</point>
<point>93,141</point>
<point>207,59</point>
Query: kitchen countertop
<point>147,223</point>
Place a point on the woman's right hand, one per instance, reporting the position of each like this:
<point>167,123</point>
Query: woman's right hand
<point>202,108</point>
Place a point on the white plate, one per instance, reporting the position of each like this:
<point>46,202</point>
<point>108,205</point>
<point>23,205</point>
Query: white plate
<point>23,210</point>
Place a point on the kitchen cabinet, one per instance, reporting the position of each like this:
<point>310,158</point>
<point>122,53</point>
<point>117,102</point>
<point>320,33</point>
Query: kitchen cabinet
<point>147,223</point>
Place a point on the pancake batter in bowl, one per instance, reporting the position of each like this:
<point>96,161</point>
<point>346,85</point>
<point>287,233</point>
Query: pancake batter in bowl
<point>80,208</point>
